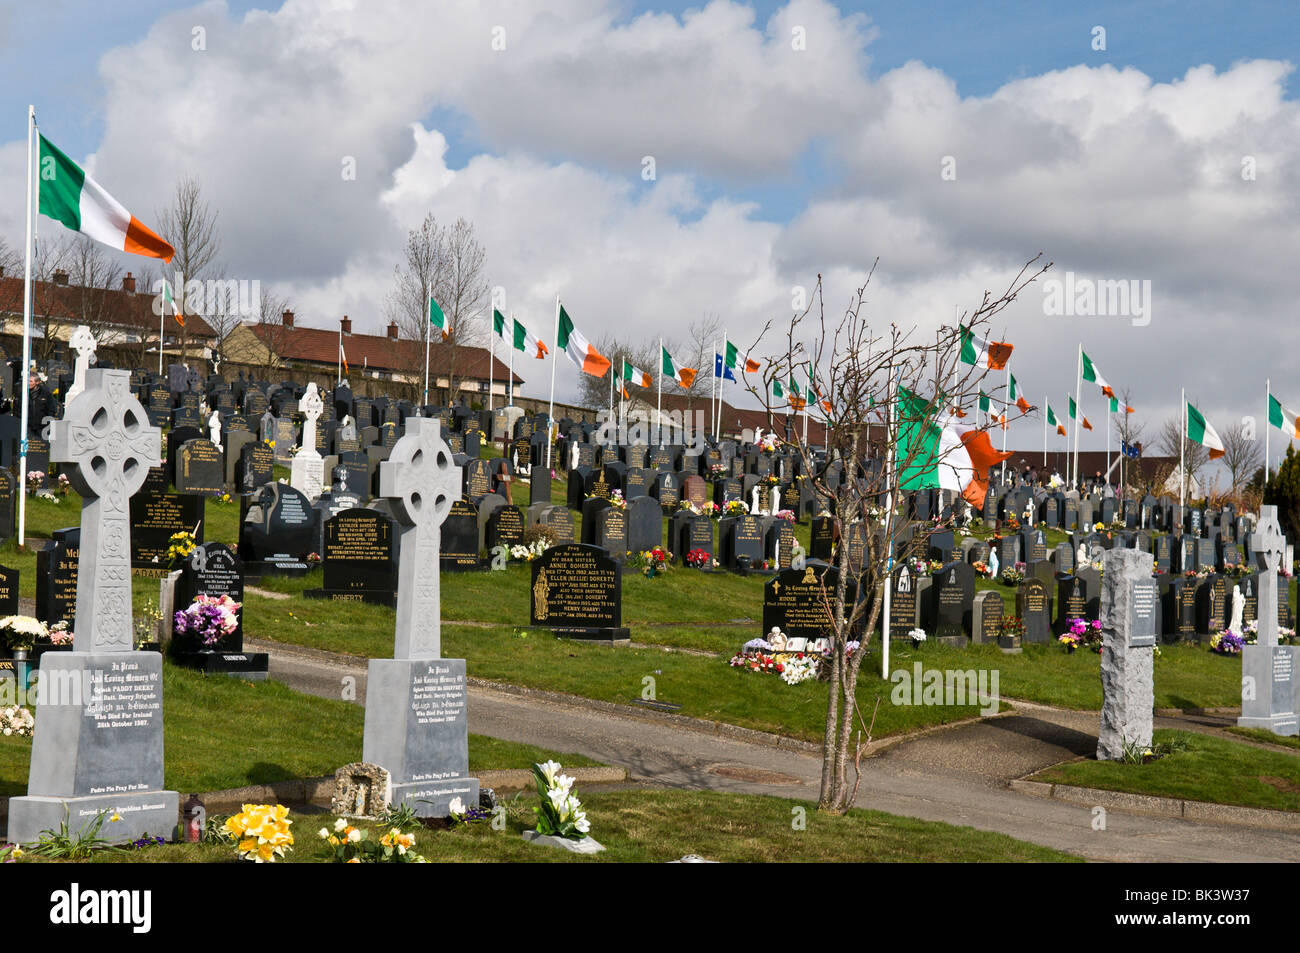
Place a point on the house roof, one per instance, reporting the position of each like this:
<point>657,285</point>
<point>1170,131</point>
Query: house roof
<point>123,309</point>
<point>735,419</point>
<point>377,351</point>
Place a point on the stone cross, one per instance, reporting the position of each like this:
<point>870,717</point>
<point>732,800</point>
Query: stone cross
<point>105,434</point>
<point>1268,544</point>
<point>83,342</point>
<point>422,482</point>
<point>312,407</point>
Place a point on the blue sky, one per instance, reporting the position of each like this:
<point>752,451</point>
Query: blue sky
<point>49,53</point>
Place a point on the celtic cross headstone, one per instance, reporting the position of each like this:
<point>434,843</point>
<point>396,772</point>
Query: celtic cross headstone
<point>416,719</point>
<point>1270,689</point>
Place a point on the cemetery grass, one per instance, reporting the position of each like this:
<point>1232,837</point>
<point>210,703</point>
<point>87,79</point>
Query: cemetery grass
<point>653,826</point>
<point>224,733</point>
<point>1266,736</point>
<point>1211,769</point>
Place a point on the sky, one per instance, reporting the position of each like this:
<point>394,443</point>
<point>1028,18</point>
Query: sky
<point>1148,141</point>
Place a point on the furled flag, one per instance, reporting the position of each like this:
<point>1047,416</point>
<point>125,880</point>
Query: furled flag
<point>777,391</point>
<point>1013,394</point>
<point>619,381</point>
<point>634,375</point>
<point>1074,414</point>
<point>984,402</point>
<point>975,350</point>
<point>1282,419</point>
<point>942,454</point>
<point>1200,431</point>
<point>343,356</point>
<point>579,349</point>
<point>1130,450</point>
<point>722,370</point>
<point>437,319</point>
<point>1090,374</point>
<point>685,376</point>
<point>1052,421</point>
<point>733,358</point>
<point>168,300</point>
<point>499,325</point>
<point>796,396</point>
<point>70,196</point>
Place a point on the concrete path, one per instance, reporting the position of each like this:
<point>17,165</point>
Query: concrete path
<point>958,775</point>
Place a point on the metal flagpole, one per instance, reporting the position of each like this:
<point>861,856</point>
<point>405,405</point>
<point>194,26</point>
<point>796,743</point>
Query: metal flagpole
<point>550,414</point>
<point>713,394</point>
<point>428,322</point>
<point>162,316</point>
<point>510,385</point>
<point>27,337</point>
<point>492,361</point>
<point>1078,412</point>
<point>1006,410</point>
<point>722,387</point>
<point>1046,408</point>
<point>659,398</point>
<point>1182,456</point>
<point>1268,407</point>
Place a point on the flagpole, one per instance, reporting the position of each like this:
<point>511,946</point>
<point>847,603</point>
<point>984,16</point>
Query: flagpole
<point>1006,409</point>
<point>510,385</point>
<point>1182,456</point>
<point>492,360</point>
<point>27,337</point>
<point>1268,408</point>
<point>550,414</point>
<point>713,394</point>
<point>162,317</point>
<point>1078,410</point>
<point>1046,408</point>
<point>428,296</point>
<point>659,398</point>
<point>722,386</point>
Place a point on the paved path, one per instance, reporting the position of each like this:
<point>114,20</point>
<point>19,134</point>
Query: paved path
<point>957,775</point>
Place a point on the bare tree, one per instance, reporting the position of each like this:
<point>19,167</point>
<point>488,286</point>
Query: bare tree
<point>92,277</point>
<point>1242,455</point>
<point>884,395</point>
<point>1172,443</point>
<point>189,225</point>
<point>450,264</point>
<point>271,328</point>
<point>1131,431</point>
<point>50,296</point>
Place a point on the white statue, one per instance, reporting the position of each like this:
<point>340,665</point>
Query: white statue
<point>1081,557</point>
<point>753,501</point>
<point>214,429</point>
<point>993,563</point>
<point>1238,606</point>
<point>776,639</point>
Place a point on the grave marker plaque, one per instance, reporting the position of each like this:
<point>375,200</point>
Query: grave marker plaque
<point>577,592</point>
<point>359,558</point>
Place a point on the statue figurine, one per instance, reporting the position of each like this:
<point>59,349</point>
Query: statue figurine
<point>1238,607</point>
<point>776,639</point>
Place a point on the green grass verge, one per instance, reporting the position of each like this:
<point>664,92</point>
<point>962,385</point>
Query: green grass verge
<point>1211,769</point>
<point>1266,736</point>
<point>656,826</point>
<point>224,733</point>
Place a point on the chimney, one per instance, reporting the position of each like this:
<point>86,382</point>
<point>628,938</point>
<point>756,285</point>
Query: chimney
<point>392,331</point>
<point>60,277</point>
<point>346,324</point>
<point>287,318</point>
<point>128,283</point>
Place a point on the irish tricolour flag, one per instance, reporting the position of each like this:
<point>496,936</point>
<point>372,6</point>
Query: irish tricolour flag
<point>1282,418</point>
<point>991,354</point>
<point>516,335</point>
<point>70,196</point>
<point>685,376</point>
<point>937,452</point>
<point>634,375</point>
<point>579,349</point>
<point>1200,431</point>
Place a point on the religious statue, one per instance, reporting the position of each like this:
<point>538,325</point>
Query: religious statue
<point>1238,607</point>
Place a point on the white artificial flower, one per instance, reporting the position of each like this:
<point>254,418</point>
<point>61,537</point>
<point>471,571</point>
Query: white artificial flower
<point>340,824</point>
<point>354,835</point>
<point>549,769</point>
<point>457,806</point>
<point>324,833</point>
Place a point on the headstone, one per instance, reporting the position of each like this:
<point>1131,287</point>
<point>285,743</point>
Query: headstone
<point>1128,610</point>
<point>101,754</point>
<point>358,558</point>
<point>796,601</point>
<point>278,531</point>
<point>256,467</point>
<point>986,617</point>
<point>577,593</point>
<point>200,469</point>
<point>1270,689</point>
<point>1034,606</point>
<point>213,569</point>
<point>948,603</point>
<point>645,524</point>
<point>56,581</point>
<point>459,546</point>
<point>504,527</point>
<point>904,602</point>
<point>416,716</point>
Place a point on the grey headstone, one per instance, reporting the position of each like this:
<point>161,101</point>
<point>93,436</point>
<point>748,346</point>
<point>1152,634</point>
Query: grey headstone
<point>1128,693</point>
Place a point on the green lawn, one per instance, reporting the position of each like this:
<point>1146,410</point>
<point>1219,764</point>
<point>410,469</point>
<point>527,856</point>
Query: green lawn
<point>1211,769</point>
<point>649,826</point>
<point>1266,736</point>
<point>220,732</point>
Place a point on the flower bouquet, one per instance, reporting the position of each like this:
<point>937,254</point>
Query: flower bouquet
<point>711,510</point>
<point>261,832</point>
<point>352,845</point>
<point>207,621</point>
<point>179,547</point>
<point>735,508</point>
<point>559,812</point>
<point>787,515</point>
<point>1010,631</point>
<point>1013,575</point>
<point>652,561</point>
<point>16,720</point>
<point>20,632</point>
<point>698,559</point>
<point>717,471</point>
<point>616,500</point>
<point>981,568</point>
<point>1227,643</point>
<point>801,668</point>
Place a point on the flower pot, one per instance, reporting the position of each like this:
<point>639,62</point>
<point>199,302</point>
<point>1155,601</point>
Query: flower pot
<point>1008,641</point>
<point>18,654</point>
